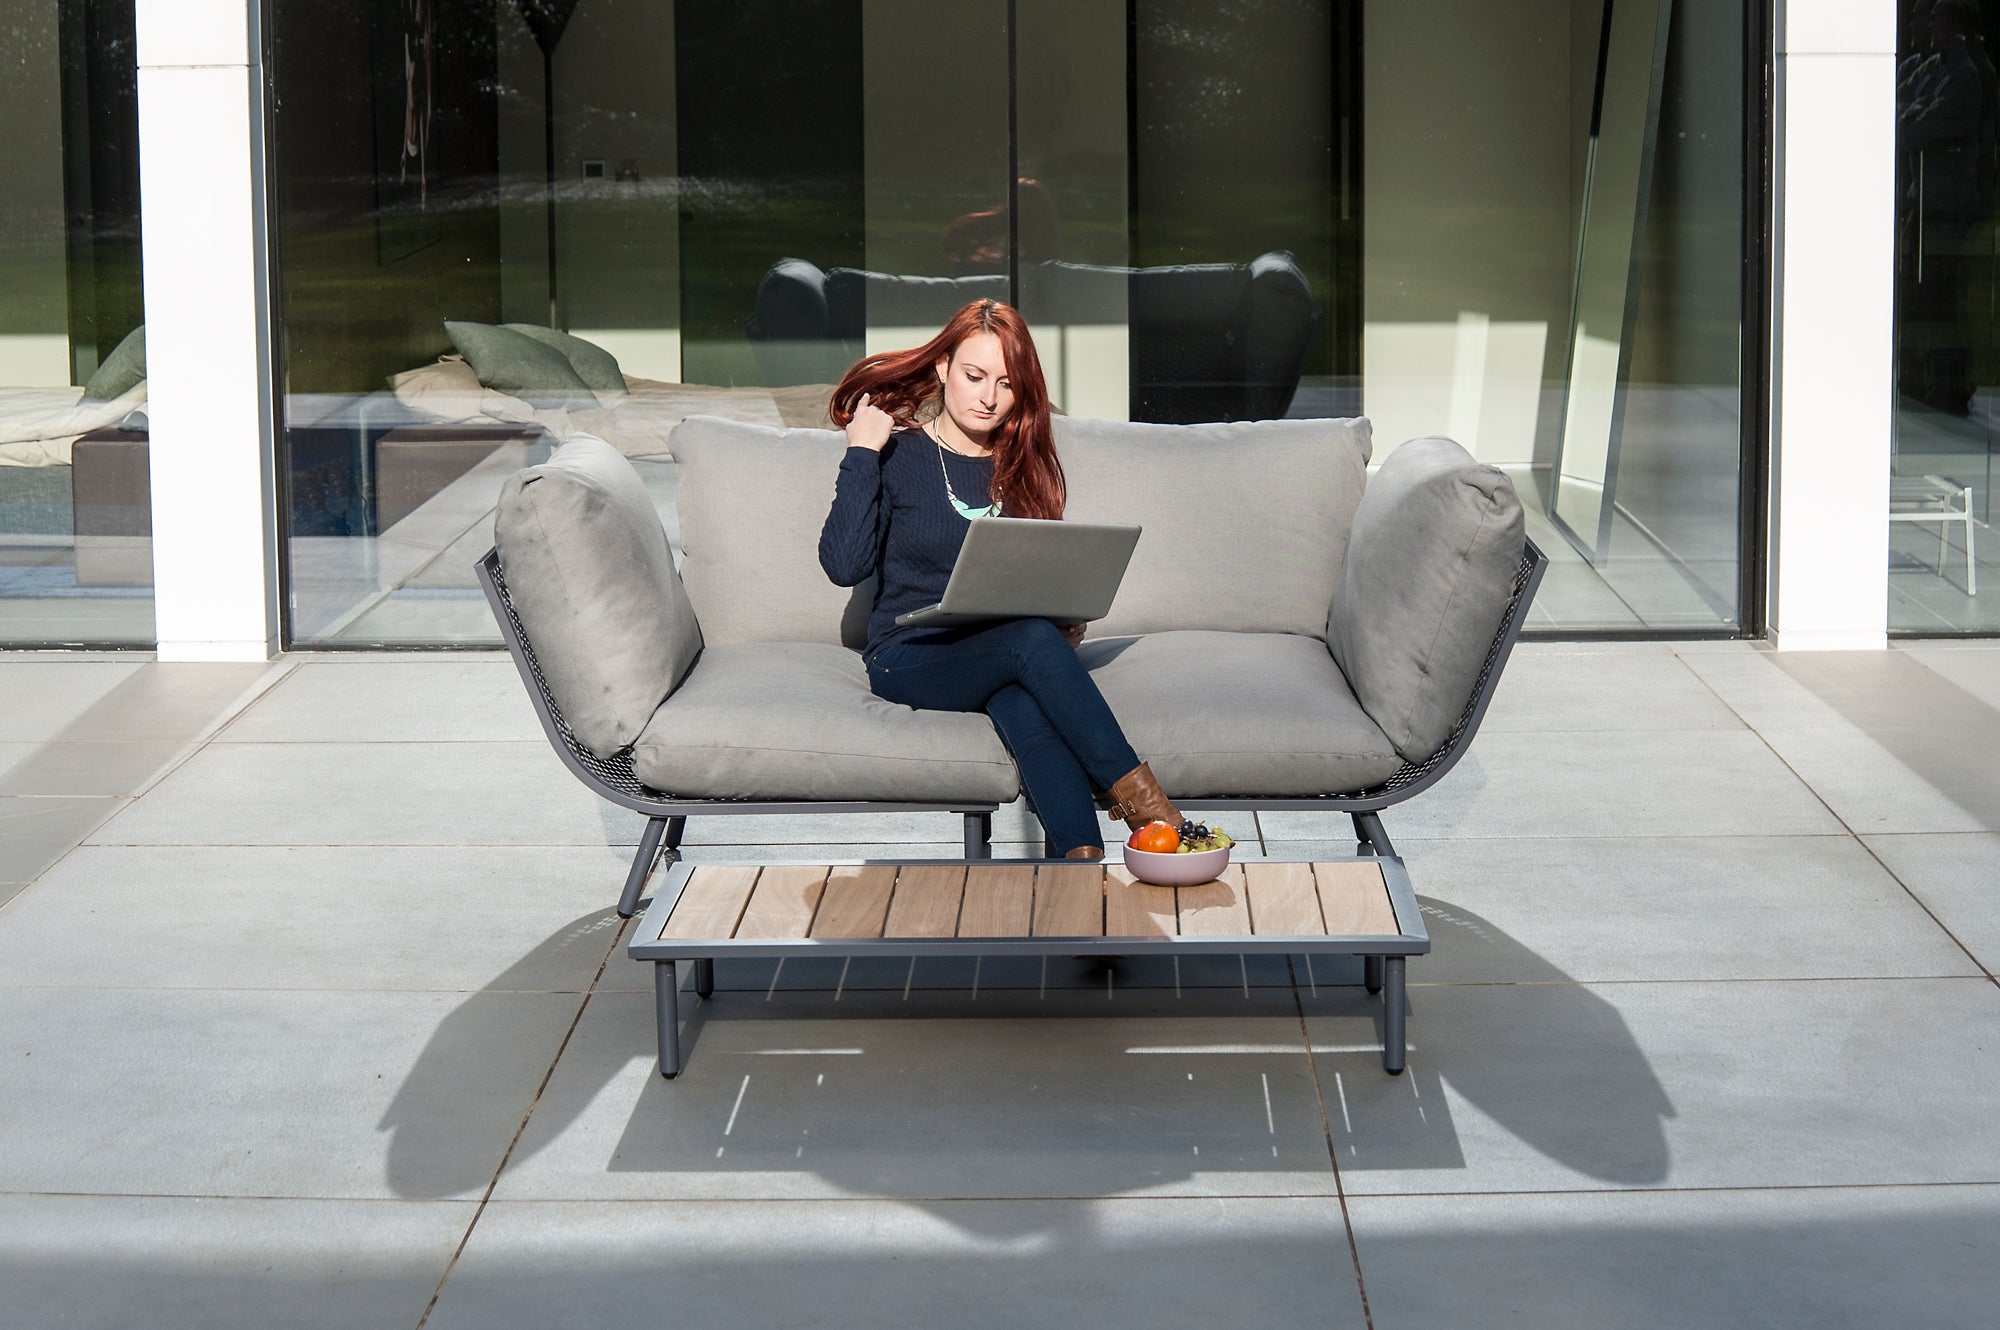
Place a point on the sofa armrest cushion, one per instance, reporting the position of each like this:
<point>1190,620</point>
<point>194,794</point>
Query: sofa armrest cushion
<point>594,584</point>
<point>1429,573</point>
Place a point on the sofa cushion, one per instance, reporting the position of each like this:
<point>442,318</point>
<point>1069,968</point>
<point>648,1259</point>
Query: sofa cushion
<point>1430,570</point>
<point>752,502</point>
<point>1219,714</point>
<point>592,579</point>
<point>121,371</point>
<point>512,363</point>
<point>796,720</point>
<point>1245,524</point>
<point>592,363</point>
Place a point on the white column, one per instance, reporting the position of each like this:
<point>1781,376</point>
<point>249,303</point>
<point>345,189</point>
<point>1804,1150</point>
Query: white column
<point>207,330</point>
<point>1833,297</point>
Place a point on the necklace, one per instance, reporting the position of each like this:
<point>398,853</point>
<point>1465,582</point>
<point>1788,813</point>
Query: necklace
<point>959,505</point>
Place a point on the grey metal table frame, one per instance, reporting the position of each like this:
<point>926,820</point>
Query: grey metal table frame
<point>1386,955</point>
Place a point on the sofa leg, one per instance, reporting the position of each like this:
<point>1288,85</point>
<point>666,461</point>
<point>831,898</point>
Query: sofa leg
<point>1371,973</point>
<point>642,865</point>
<point>666,1011</point>
<point>1394,1041</point>
<point>1373,840</point>
<point>704,977</point>
<point>979,835</point>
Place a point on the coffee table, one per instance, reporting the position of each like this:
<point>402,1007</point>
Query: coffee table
<point>1026,907</point>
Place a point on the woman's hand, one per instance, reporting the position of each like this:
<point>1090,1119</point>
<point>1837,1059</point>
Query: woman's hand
<point>1072,633</point>
<point>870,427</point>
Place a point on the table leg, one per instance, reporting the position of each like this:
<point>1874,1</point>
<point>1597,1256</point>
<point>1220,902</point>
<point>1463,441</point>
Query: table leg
<point>1394,1046</point>
<point>666,1010</point>
<point>1371,973</point>
<point>704,977</point>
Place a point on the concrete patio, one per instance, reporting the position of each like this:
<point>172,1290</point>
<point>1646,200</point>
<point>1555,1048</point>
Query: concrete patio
<point>316,1013</point>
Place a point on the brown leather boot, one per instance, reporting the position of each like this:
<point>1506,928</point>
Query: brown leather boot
<point>1137,797</point>
<point>1086,852</point>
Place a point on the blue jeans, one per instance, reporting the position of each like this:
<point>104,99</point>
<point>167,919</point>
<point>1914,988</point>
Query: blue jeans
<point>1026,677</point>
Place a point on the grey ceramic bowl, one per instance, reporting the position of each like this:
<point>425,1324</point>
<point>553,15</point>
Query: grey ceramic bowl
<point>1176,870</point>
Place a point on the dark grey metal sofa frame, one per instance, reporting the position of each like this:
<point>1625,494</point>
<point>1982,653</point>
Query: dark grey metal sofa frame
<point>666,814</point>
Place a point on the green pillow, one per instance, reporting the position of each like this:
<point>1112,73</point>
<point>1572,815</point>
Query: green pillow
<point>592,363</point>
<point>521,366</point>
<point>121,371</point>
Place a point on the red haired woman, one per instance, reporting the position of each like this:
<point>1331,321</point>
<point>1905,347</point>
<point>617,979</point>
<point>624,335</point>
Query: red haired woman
<point>955,429</point>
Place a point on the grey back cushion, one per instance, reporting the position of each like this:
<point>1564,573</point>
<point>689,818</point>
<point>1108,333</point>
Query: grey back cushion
<point>592,363</point>
<point>1430,570</point>
<point>1245,524</point>
<point>591,577</point>
<point>121,371</point>
<point>752,502</point>
<point>512,363</point>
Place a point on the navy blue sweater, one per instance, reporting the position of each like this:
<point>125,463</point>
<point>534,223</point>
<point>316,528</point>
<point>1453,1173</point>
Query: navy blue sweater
<point>891,516</point>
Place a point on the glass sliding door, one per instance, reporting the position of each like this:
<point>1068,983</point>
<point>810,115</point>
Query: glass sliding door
<point>1941,544</point>
<point>76,560</point>
<point>1274,209</point>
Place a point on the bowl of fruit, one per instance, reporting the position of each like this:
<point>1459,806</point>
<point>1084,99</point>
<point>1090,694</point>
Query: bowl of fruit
<point>1168,856</point>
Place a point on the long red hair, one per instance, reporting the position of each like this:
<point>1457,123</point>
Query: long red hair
<point>1027,476</point>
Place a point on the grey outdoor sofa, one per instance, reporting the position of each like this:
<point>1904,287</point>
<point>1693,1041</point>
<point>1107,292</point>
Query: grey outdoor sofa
<point>1283,640</point>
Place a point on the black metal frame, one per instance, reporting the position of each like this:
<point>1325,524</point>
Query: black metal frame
<point>613,778</point>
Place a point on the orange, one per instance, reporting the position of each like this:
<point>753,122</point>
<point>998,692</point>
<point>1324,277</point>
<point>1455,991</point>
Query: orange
<point>1156,838</point>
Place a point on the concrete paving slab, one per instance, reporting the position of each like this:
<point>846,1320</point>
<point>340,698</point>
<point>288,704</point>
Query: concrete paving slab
<point>518,919</point>
<point>1600,910</point>
<point>867,1264</point>
<point>1902,780</point>
<point>35,832</point>
<point>514,793</point>
<point>173,703</point>
<point>1011,822</point>
<point>1752,685</point>
<point>1596,692</point>
<point>887,1104</point>
<point>94,768</point>
<point>1830,1258</point>
<point>1542,1087</point>
<point>402,702</point>
<point>1634,783</point>
<point>44,697</point>
<point>114,1262</point>
<point>209,1093</point>
<point>1974,668</point>
<point>1958,879</point>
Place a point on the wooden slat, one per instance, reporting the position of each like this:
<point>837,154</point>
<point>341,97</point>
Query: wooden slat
<point>1136,909</point>
<point>926,901</point>
<point>1069,900</point>
<point>783,903</point>
<point>1215,909</point>
<point>999,901</point>
<point>711,903</point>
<point>855,901</point>
<point>1282,900</point>
<point>1354,899</point>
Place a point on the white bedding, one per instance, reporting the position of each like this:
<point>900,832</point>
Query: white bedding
<point>38,425</point>
<point>637,424</point>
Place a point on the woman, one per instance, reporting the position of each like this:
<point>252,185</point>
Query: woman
<point>956,429</point>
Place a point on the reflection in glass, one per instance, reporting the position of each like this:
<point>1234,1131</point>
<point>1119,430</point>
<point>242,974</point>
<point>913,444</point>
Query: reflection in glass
<point>1947,406</point>
<point>76,560</point>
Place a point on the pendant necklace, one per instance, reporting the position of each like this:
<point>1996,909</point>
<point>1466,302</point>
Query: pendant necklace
<point>958,505</point>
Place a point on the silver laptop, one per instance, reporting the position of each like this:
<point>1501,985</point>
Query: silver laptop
<point>1013,567</point>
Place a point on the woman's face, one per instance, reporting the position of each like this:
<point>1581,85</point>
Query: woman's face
<point>977,393</point>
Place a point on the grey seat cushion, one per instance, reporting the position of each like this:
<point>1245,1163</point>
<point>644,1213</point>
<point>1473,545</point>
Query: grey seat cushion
<point>1240,713</point>
<point>591,577</point>
<point>796,720</point>
<point>1430,570</point>
<point>752,502</point>
<point>1245,524</point>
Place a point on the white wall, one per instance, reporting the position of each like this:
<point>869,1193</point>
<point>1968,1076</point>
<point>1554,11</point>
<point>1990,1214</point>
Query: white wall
<point>1468,229</point>
<point>1833,321</point>
<point>208,335</point>
<point>34,299</point>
